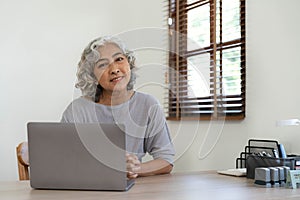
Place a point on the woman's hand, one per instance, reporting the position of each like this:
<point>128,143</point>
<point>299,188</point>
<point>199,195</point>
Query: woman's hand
<point>133,165</point>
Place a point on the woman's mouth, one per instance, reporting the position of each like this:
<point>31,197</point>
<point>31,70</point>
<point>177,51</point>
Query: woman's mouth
<point>116,79</point>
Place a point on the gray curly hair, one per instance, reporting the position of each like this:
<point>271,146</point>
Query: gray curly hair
<point>86,80</point>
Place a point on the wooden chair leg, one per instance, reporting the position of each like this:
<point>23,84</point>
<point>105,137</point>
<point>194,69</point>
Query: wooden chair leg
<point>23,172</point>
<point>22,164</point>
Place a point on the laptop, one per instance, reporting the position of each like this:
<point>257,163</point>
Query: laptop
<point>77,156</point>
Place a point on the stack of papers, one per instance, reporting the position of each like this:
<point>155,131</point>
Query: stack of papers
<point>234,172</point>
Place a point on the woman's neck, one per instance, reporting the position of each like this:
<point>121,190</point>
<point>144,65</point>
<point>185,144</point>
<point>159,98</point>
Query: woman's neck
<point>115,98</point>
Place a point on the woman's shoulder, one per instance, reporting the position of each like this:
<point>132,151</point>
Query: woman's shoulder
<point>78,107</point>
<point>83,100</point>
<point>80,102</point>
<point>144,97</point>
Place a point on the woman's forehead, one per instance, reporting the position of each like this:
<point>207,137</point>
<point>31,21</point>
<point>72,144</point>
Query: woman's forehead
<point>109,49</point>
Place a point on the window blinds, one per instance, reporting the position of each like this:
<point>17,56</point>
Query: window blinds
<point>207,59</point>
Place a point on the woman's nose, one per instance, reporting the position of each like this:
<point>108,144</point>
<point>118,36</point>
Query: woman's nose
<point>114,68</point>
<point>115,71</point>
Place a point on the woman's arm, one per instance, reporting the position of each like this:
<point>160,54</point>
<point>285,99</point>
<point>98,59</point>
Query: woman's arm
<point>154,167</point>
<point>135,168</point>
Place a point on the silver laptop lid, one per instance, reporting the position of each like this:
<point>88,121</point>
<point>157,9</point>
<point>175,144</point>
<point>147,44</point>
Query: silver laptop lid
<point>77,156</point>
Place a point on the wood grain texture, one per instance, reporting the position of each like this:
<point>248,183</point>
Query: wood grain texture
<point>182,186</point>
<point>23,161</point>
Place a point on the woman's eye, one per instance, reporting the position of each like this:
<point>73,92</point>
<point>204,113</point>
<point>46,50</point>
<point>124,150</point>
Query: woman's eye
<point>120,59</point>
<point>102,65</point>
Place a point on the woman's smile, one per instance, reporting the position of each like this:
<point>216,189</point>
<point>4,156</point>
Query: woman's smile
<point>117,79</point>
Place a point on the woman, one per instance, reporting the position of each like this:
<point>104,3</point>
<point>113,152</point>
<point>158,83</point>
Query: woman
<point>106,78</point>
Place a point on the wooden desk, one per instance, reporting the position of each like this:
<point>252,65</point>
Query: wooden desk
<point>181,186</point>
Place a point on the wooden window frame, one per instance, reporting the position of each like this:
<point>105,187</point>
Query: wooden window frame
<point>205,108</point>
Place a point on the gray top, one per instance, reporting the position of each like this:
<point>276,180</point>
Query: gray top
<point>143,117</point>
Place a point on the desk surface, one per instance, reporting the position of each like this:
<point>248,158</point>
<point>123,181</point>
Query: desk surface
<point>196,185</point>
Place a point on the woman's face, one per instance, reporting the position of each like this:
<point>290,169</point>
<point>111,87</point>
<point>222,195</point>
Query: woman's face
<point>112,70</point>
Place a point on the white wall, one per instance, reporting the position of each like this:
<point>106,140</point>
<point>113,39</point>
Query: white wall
<point>272,94</point>
<point>41,42</point>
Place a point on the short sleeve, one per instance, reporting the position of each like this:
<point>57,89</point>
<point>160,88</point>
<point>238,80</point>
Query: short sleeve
<point>158,142</point>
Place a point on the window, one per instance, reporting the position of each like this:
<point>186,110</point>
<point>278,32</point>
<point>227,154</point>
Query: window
<point>207,59</point>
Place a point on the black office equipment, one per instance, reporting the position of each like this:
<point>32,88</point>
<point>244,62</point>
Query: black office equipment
<point>254,161</point>
<point>264,153</point>
<point>258,147</point>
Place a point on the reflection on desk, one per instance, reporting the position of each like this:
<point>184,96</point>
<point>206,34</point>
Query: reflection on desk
<point>192,185</point>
